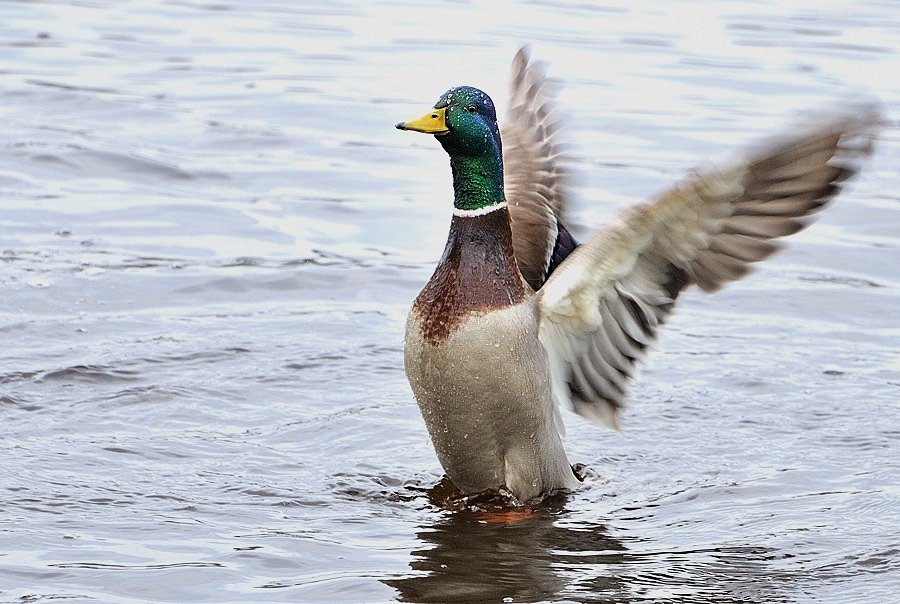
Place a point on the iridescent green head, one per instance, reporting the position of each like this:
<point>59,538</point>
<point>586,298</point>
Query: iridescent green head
<point>464,121</point>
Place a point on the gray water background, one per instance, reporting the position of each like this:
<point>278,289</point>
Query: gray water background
<point>210,234</point>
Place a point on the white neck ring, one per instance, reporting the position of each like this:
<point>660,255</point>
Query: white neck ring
<point>479,211</point>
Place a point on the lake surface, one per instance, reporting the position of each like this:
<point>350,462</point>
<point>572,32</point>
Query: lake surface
<point>210,234</point>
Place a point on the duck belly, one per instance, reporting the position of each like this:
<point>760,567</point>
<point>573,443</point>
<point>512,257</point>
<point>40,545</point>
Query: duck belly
<point>484,392</point>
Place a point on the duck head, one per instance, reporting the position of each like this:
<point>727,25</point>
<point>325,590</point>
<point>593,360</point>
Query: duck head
<point>464,121</point>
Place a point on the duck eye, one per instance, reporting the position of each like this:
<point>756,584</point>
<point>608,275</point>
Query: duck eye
<point>471,108</point>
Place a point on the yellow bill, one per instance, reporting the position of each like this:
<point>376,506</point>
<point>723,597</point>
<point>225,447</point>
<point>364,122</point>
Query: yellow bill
<point>432,122</point>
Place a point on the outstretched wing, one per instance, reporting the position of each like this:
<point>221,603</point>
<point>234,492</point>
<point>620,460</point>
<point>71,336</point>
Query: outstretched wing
<point>602,308</point>
<point>535,177</point>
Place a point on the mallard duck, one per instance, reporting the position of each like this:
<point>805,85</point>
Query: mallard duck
<point>519,319</point>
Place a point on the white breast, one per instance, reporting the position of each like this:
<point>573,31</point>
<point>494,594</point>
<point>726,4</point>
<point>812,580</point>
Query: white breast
<point>484,393</point>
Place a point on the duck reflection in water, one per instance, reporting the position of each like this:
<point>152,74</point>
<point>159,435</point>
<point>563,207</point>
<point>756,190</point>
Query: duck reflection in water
<point>485,551</point>
<point>495,554</point>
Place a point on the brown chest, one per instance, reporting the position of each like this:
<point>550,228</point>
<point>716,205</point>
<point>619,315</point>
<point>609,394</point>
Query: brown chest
<point>476,274</point>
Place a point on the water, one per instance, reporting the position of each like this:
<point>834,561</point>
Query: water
<point>210,234</point>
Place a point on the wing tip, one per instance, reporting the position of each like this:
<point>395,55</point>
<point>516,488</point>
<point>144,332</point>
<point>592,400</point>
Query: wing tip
<point>606,412</point>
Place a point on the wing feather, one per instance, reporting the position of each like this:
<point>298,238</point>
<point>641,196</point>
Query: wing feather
<point>535,175</point>
<point>604,305</point>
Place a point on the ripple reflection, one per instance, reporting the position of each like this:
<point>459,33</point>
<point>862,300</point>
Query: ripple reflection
<point>552,556</point>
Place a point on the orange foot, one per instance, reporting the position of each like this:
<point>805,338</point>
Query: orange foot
<point>506,516</point>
